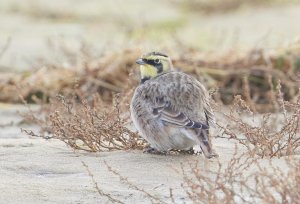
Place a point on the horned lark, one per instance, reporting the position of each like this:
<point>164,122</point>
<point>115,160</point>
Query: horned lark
<point>171,109</point>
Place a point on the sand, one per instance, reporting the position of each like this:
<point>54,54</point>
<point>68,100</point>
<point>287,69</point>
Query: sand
<point>35,170</point>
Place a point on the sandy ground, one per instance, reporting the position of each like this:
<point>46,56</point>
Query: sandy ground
<point>35,170</point>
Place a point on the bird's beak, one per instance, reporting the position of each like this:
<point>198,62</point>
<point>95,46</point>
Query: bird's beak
<point>140,61</point>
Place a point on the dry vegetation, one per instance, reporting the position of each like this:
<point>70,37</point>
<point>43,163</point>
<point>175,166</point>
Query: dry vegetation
<point>88,114</point>
<point>244,179</point>
<point>217,6</point>
<point>94,126</point>
<point>83,115</point>
<point>267,135</point>
<point>108,74</point>
<point>237,182</point>
<point>86,121</point>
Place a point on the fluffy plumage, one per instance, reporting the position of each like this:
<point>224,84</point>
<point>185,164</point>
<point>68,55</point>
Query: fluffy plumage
<point>171,109</point>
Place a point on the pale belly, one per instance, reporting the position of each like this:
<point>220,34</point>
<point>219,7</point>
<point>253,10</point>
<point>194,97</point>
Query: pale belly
<point>174,139</point>
<point>181,142</point>
<point>162,137</point>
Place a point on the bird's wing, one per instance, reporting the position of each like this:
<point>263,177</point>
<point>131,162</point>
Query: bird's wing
<point>182,101</point>
<point>166,112</point>
<point>195,129</point>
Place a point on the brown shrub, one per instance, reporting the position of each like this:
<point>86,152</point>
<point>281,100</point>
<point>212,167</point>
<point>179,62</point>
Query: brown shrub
<point>105,75</point>
<point>243,180</point>
<point>96,127</point>
<point>93,126</point>
<point>108,74</point>
<point>217,6</point>
<point>267,135</point>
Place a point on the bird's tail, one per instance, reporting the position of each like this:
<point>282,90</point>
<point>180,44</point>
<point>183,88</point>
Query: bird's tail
<point>204,142</point>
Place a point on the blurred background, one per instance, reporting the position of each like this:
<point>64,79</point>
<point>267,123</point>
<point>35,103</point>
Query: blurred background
<point>33,29</point>
<point>237,46</point>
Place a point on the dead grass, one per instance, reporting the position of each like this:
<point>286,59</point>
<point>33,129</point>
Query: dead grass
<point>96,186</point>
<point>266,135</point>
<point>95,127</point>
<point>244,180</point>
<point>109,74</point>
<point>126,181</point>
<point>91,126</point>
<point>219,6</point>
<point>105,74</point>
<point>246,74</point>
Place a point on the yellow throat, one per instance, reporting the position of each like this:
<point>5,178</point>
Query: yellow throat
<point>148,71</point>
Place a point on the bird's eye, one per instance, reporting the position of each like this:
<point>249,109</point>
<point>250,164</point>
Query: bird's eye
<point>157,61</point>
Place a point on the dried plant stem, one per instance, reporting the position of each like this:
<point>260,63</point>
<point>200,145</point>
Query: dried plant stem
<point>131,185</point>
<point>243,180</point>
<point>100,192</point>
<point>273,137</point>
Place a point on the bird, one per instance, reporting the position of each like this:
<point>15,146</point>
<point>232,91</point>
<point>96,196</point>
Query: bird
<point>171,109</point>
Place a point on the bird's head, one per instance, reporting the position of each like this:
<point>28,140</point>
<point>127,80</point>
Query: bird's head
<point>153,64</point>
